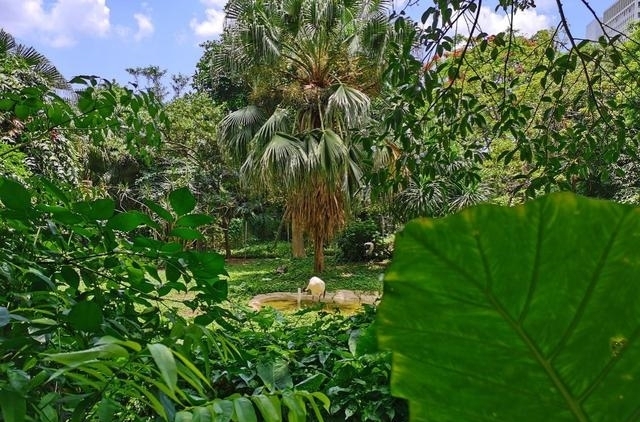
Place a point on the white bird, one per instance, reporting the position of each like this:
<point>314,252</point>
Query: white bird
<point>368,248</point>
<point>316,286</point>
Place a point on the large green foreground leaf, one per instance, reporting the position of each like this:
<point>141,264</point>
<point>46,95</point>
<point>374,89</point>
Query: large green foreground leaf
<point>517,314</point>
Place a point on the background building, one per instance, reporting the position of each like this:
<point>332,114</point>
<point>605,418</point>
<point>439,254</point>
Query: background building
<point>616,18</point>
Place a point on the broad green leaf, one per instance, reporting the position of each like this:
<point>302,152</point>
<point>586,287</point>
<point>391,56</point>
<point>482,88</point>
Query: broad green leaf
<point>100,209</point>
<point>13,195</point>
<point>130,220</point>
<point>221,410</point>
<point>269,407</point>
<point>194,220</point>
<point>106,410</point>
<point>528,313</point>
<point>186,233</point>
<point>70,276</point>
<point>183,416</point>
<point>166,364</point>
<point>13,406</point>
<point>244,410</point>
<point>85,316</point>
<point>201,414</point>
<point>182,201</point>
<point>296,407</point>
<point>275,375</point>
<point>159,210</point>
<point>22,111</point>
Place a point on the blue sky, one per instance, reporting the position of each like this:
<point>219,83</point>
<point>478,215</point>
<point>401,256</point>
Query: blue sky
<point>103,37</point>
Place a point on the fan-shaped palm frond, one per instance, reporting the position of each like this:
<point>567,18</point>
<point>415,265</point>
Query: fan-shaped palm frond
<point>238,129</point>
<point>7,42</point>
<point>349,105</point>
<point>280,159</point>
<point>279,121</point>
<point>329,156</point>
<point>35,60</point>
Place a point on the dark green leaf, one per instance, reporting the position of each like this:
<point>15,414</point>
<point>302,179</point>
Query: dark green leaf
<point>100,209</point>
<point>22,111</point>
<point>85,316</point>
<point>526,313</point>
<point>130,220</point>
<point>186,233</point>
<point>159,210</point>
<point>172,271</point>
<point>86,104</point>
<point>6,104</point>
<point>182,201</point>
<point>14,407</point>
<point>70,276</point>
<point>194,220</point>
<point>106,410</point>
<point>13,195</point>
<point>313,383</point>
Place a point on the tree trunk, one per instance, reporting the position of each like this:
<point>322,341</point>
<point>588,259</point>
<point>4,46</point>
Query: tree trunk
<point>297,239</point>
<point>227,242</point>
<point>318,258</point>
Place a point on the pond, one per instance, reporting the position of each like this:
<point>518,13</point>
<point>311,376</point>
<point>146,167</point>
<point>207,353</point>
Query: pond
<point>343,301</point>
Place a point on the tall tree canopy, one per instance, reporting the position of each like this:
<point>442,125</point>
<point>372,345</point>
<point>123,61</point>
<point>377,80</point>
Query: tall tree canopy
<point>312,66</point>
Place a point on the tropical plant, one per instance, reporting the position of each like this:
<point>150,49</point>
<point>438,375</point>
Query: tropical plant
<point>311,66</point>
<point>87,322</point>
<point>333,353</point>
<point>523,313</point>
<point>39,65</point>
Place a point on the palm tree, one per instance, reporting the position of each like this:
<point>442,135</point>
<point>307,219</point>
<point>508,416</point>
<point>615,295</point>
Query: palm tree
<point>312,66</point>
<point>37,62</point>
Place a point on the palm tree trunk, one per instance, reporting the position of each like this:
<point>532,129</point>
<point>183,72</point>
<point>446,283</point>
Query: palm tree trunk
<point>318,258</point>
<point>297,238</point>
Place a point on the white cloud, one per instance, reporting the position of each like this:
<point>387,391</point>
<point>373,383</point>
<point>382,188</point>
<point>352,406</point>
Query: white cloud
<point>528,21</point>
<point>145,26</point>
<point>60,23</point>
<point>214,4</point>
<point>212,24</point>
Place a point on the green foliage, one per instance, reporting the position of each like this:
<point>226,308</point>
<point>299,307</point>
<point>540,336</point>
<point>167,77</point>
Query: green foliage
<point>77,276</point>
<point>86,326</point>
<point>326,353</point>
<point>557,102</point>
<point>525,313</point>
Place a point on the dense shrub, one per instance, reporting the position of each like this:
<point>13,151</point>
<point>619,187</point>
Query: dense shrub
<point>351,242</point>
<point>332,353</point>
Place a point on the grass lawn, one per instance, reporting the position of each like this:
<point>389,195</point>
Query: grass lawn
<point>252,276</point>
<point>252,271</point>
